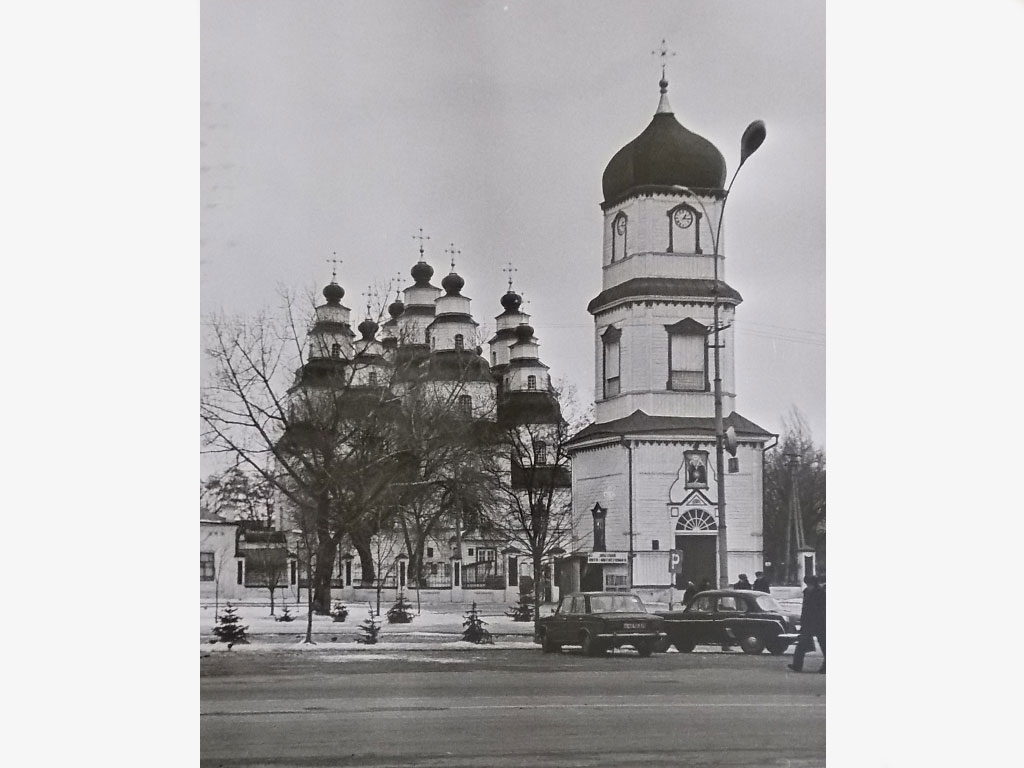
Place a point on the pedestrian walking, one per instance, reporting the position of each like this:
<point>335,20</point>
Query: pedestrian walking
<point>761,583</point>
<point>690,593</point>
<point>812,624</point>
<point>743,583</point>
<point>705,585</point>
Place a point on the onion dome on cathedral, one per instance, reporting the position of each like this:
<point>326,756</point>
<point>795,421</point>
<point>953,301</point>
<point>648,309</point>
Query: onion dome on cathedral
<point>452,284</point>
<point>395,309</point>
<point>524,332</point>
<point>666,154</point>
<point>369,329</point>
<point>334,293</point>
<point>511,301</point>
<point>422,272</point>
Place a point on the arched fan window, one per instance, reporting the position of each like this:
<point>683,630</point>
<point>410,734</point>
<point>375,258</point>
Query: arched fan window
<point>696,520</point>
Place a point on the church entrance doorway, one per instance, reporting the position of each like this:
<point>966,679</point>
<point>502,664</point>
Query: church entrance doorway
<point>697,539</point>
<point>699,559</point>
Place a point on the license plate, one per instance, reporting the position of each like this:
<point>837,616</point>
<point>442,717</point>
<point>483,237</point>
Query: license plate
<point>632,625</point>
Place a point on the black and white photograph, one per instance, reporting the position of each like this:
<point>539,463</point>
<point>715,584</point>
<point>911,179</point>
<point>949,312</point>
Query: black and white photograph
<point>529,339</point>
<point>480,283</point>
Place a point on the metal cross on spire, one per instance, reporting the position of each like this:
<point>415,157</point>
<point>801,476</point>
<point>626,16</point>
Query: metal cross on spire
<point>509,269</point>
<point>368,294</point>
<point>421,237</point>
<point>334,269</point>
<point>663,53</point>
<point>398,286</point>
<point>451,250</point>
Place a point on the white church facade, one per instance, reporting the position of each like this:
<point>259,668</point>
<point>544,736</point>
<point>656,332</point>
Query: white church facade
<point>644,478</point>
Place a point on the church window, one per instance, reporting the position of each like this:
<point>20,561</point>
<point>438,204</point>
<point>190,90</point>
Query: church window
<point>494,357</point>
<point>620,225</point>
<point>684,229</point>
<point>687,356</point>
<point>335,350</point>
<point>465,405</point>
<point>531,382</point>
<point>611,360</point>
<point>655,545</point>
<point>371,378</point>
<point>540,452</point>
<point>459,342</point>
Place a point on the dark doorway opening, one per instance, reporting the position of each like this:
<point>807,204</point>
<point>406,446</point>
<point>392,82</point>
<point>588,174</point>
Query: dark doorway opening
<point>699,554</point>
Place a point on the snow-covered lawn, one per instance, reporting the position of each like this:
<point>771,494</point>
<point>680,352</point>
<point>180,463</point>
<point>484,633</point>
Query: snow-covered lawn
<point>429,624</point>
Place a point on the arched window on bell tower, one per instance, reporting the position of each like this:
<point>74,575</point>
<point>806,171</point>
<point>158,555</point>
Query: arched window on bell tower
<point>620,225</point>
<point>599,513</point>
<point>611,360</point>
<point>684,229</point>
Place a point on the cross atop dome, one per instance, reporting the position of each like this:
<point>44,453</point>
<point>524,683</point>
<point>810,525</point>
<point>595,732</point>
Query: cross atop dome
<point>452,251</point>
<point>663,53</point>
<point>334,269</point>
<point>509,270</point>
<point>421,237</point>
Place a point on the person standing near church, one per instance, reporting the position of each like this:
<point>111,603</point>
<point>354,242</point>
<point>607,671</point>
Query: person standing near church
<point>761,583</point>
<point>812,624</point>
<point>743,583</point>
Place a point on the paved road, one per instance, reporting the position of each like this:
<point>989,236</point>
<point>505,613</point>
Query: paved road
<point>509,708</point>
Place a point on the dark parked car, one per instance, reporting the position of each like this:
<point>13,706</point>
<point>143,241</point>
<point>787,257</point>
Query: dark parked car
<point>597,621</point>
<point>723,617</point>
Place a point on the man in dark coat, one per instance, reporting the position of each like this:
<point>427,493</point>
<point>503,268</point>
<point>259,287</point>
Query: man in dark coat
<point>812,624</point>
<point>761,583</point>
<point>690,593</point>
<point>743,583</point>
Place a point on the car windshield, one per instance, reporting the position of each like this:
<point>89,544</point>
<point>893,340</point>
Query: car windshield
<point>616,604</point>
<point>767,603</point>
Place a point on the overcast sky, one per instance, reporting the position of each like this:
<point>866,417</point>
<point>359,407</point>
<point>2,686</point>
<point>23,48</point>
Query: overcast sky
<point>347,126</point>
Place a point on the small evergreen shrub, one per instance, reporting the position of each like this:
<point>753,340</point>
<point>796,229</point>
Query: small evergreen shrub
<point>400,612</point>
<point>285,615</point>
<point>339,612</point>
<point>370,629</point>
<point>229,630</point>
<point>474,631</point>
<point>523,610</point>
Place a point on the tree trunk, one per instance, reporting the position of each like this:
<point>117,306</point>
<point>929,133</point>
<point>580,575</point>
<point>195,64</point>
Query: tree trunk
<point>309,604</point>
<point>538,585</point>
<point>272,601</point>
<point>361,543</point>
<point>325,555</point>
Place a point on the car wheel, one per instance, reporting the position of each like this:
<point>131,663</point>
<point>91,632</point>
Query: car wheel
<point>752,644</point>
<point>645,648</point>
<point>685,646</point>
<point>663,645</point>
<point>777,647</point>
<point>548,645</point>
<point>591,646</point>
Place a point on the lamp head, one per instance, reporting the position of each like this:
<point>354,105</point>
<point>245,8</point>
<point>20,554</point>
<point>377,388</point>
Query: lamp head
<point>752,138</point>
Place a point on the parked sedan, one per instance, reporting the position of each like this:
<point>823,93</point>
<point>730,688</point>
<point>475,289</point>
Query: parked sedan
<point>725,617</point>
<point>597,621</point>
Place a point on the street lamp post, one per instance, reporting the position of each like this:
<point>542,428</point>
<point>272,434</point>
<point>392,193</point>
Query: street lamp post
<point>753,137</point>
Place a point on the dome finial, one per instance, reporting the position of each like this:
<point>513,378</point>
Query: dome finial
<point>421,237</point>
<point>509,269</point>
<point>334,269</point>
<point>663,53</point>
<point>451,250</point>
